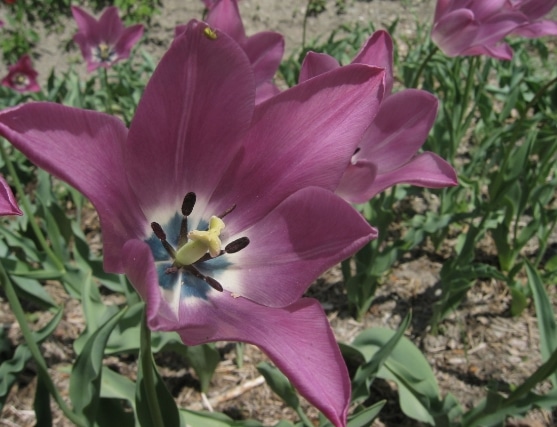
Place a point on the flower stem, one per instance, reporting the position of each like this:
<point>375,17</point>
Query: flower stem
<point>42,369</point>
<point>107,90</point>
<point>147,366</point>
<point>22,198</point>
<point>303,417</point>
<point>423,65</point>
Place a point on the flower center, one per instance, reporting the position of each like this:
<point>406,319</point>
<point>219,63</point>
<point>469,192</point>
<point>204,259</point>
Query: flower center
<point>103,53</point>
<point>20,80</point>
<point>198,246</point>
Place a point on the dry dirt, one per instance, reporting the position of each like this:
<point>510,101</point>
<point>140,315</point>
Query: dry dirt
<point>478,343</point>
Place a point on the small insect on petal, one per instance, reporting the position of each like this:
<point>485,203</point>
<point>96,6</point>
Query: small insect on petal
<point>210,33</point>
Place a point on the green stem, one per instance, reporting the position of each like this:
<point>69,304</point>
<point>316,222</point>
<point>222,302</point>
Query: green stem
<point>304,25</point>
<point>22,198</point>
<point>107,90</point>
<point>304,418</point>
<point>538,94</point>
<point>423,65</point>
<point>147,365</point>
<point>42,368</point>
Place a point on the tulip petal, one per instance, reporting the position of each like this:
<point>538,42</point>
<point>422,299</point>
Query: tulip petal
<point>188,125</point>
<point>88,28</point>
<point>128,38</point>
<point>378,51</point>
<point>356,181</point>
<point>299,341</point>
<point>225,16</point>
<point>289,249</point>
<point>537,29</point>
<point>83,148</point>
<point>315,64</point>
<point>310,133</point>
<point>110,25</point>
<point>297,338</point>
<point>264,51</point>
<point>8,204</point>
<point>425,170</point>
<point>399,129</point>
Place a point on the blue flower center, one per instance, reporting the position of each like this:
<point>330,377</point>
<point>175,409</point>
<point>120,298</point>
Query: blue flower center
<point>189,256</point>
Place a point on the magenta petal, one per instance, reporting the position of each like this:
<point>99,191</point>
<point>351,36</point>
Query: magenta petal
<point>8,204</point>
<point>188,125</point>
<point>128,38</point>
<point>83,148</point>
<point>225,16</point>
<point>537,29</point>
<point>425,170</point>
<point>264,51</point>
<point>110,25</point>
<point>299,341</point>
<point>455,32</point>
<point>315,64</point>
<point>264,91</point>
<point>297,338</point>
<point>310,133</point>
<point>88,28</point>
<point>290,248</point>
<point>399,129</point>
<point>378,51</point>
<point>355,184</point>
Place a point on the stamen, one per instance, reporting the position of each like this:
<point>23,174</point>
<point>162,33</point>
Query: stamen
<point>159,232</point>
<point>209,280</point>
<point>226,212</point>
<point>237,245</point>
<point>161,235</point>
<point>188,203</point>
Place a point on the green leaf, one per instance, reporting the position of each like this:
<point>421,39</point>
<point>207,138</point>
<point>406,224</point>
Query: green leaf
<point>418,391</point>
<point>41,405</point>
<point>545,315</point>
<point>204,359</point>
<point>155,405</point>
<point>10,368</point>
<point>366,417</point>
<point>31,289</point>
<point>85,379</point>
<point>367,372</point>
<point>279,384</point>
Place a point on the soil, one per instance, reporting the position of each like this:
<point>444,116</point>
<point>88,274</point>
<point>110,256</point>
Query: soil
<point>477,344</point>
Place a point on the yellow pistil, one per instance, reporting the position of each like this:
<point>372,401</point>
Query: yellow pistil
<point>200,242</point>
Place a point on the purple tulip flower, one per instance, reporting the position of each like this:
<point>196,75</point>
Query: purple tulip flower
<point>478,27</point>
<point>264,49</point>
<point>535,10</point>
<point>8,204</point>
<point>387,153</point>
<point>222,212</point>
<point>106,41</point>
<point>22,77</point>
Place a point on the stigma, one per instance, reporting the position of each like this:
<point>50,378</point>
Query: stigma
<point>200,242</point>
